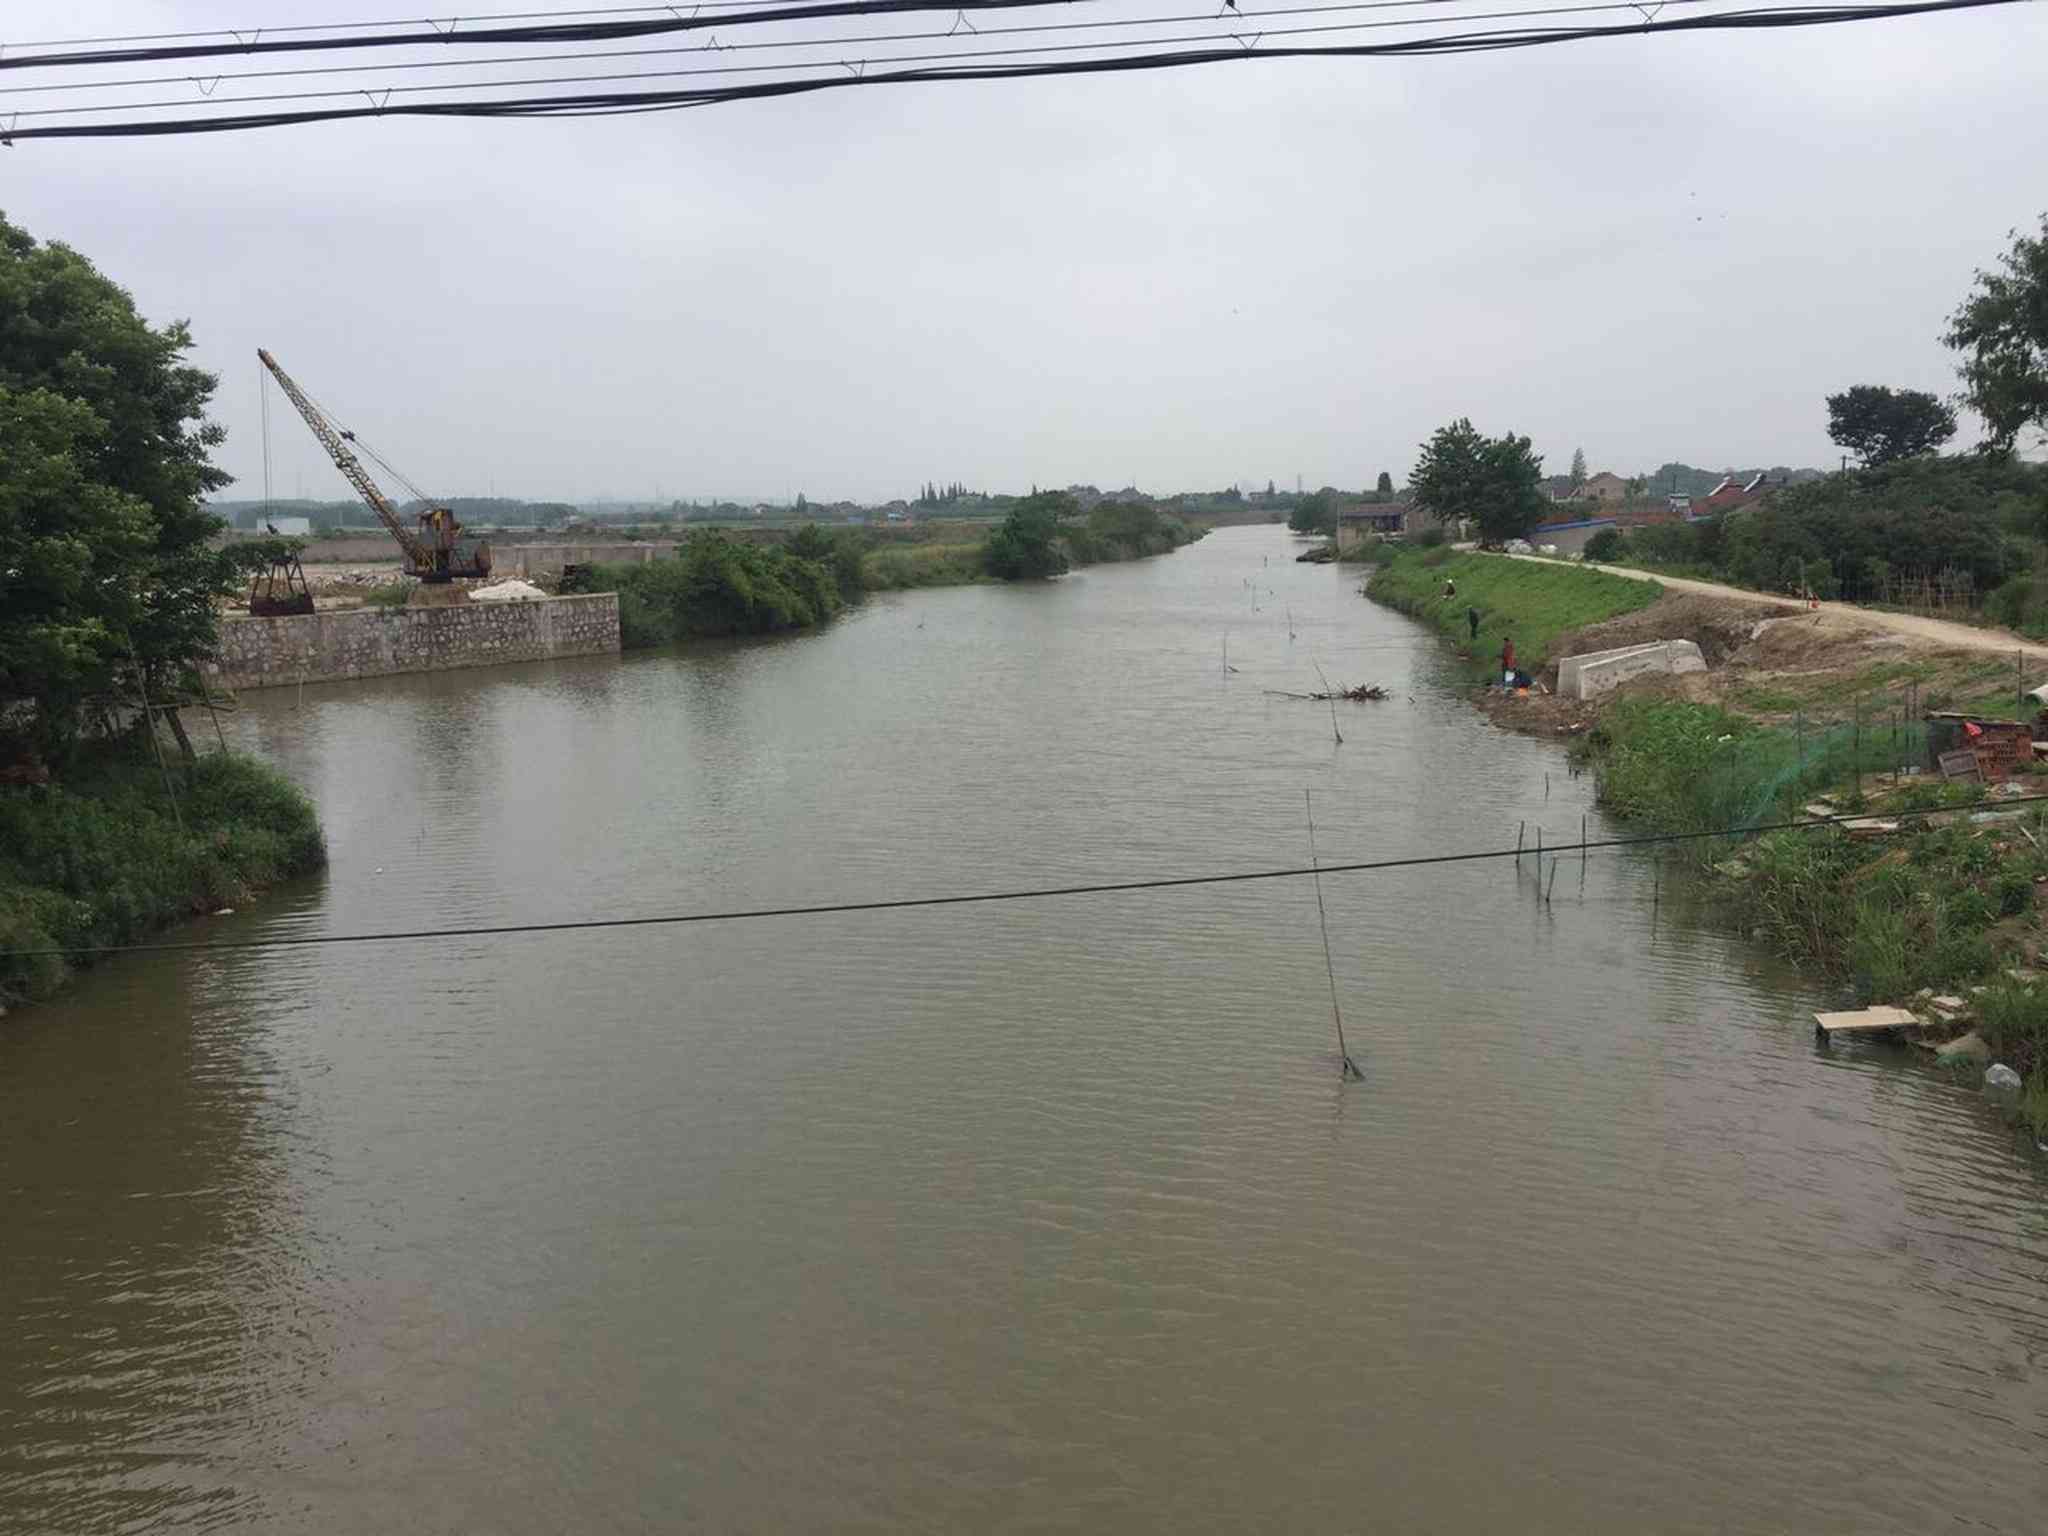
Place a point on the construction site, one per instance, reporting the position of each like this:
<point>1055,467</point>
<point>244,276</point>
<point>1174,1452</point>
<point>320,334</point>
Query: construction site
<point>438,603</point>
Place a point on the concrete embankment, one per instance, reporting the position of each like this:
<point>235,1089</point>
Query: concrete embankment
<point>379,642</point>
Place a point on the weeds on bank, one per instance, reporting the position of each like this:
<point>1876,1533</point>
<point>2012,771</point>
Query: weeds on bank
<point>102,858</point>
<point>1941,904</point>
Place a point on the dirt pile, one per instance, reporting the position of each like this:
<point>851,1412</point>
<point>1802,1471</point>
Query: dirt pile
<point>1718,627</point>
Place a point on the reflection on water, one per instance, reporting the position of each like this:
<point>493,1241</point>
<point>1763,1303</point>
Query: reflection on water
<point>1042,1214</point>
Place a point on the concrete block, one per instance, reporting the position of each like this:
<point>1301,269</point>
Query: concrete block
<point>1597,672</point>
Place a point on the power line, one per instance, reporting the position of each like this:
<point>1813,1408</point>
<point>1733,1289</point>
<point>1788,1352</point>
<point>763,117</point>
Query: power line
<point>440,35</point>
<point>907,58</point>
<point>349,26</point>
<point>855,73</point>
<point>211,82</point>
<point>1035,893</point>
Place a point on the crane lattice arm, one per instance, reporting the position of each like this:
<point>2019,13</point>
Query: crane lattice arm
<point>416,552</point>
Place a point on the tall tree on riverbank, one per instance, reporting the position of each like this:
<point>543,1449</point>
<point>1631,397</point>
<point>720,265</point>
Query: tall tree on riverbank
<point>1315,513</point>
<point>2002,330</point>
<point>104,543</point>
<point>1578,467</point>
<point>1026,545</point>
<point>1495,481</point>
<point>1880,424</point>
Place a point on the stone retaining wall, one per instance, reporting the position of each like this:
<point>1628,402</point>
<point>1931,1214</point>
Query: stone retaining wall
<point>377,642</point>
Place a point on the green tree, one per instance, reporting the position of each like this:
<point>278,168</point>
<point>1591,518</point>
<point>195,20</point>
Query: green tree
<point>1315,512</point>
<point>1026,546</point>
<point>104,542</point>
<point>1385,486</point>
<point>1879,424</point>
<point>1578,467</point>
<point>1496,481</point>
<point>2002,330</point>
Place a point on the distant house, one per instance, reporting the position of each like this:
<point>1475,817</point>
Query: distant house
<point>1560,488</point>
<point>1733,492</point>
<point>1384,519</point>
<point>1681,504</point>
<point>292,527</point>
<point>1605,486</point>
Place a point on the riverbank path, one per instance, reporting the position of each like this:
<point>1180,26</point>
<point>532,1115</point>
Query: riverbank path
<point>1942,633</point>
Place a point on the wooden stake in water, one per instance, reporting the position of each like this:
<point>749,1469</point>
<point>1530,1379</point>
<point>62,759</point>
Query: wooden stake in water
<point>1553,883</point>
<point>1333,702</point>
<point>1521,832</point>
<point>1349,1069</point>
<point>1582,857</point>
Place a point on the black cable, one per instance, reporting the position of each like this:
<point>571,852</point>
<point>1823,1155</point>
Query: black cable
<point>360,26</point>
<point>566,32</point>
<point>211,82</point>
<point>1038,893</point>
<point>619,103</point>
<point>385,92</point>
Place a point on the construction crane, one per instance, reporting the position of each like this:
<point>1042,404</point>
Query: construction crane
<point>432,554</point>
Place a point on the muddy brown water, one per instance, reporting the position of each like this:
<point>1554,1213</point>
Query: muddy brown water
<point>1045,1215</point>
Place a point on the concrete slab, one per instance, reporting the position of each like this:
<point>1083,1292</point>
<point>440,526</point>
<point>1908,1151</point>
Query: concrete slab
<point>1596,672</point>
<point>1861,1019</point>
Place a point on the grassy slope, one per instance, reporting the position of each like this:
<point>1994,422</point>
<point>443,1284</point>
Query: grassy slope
<point>1534,602</point>
<point>100,859</point>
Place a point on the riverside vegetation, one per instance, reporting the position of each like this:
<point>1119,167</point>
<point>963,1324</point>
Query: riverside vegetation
<point>1944,903</point>
<point>719,585</point>
<point>104,857</point>
<point>1534,603</point>
<point>108,588</point>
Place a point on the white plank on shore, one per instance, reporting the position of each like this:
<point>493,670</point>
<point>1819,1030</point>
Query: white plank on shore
<point>1864,1018</point>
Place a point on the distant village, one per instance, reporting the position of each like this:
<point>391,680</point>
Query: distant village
<point>1579,508</point>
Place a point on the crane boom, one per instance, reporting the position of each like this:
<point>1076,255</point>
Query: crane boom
<point>345,461</point>
<point>438,560</point>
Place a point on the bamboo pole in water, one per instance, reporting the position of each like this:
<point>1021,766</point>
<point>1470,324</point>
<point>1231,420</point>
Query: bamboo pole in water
<point>1349,1068</point>
<point>1332,697</point>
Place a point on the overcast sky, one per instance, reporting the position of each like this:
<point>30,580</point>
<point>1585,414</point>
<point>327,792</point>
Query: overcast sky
<point>1655,248</point>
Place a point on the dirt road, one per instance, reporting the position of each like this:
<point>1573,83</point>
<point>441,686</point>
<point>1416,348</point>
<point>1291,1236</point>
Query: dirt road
<point>1933,632</point>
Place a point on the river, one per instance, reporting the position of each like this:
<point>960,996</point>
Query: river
<point>1042,1215</point>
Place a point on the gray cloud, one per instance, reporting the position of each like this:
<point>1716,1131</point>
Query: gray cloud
<point>1655,248</point>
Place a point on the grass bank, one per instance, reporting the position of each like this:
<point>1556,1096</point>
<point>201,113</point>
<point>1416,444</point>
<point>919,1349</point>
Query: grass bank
<point>102,859</point>
<point>1947,902</point>
<point>1533,601</point>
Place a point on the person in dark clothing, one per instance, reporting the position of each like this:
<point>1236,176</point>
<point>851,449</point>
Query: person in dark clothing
<point>1472,618</point>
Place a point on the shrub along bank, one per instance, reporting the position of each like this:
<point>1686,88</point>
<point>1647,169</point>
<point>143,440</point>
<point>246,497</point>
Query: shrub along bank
<point>1531,600</point>
<point>1967,522</point>
<point>717,585</point>
<point>102,858</point>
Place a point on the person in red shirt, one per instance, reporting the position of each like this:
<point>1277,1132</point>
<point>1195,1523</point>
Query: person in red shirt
<point>1507,659</point>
